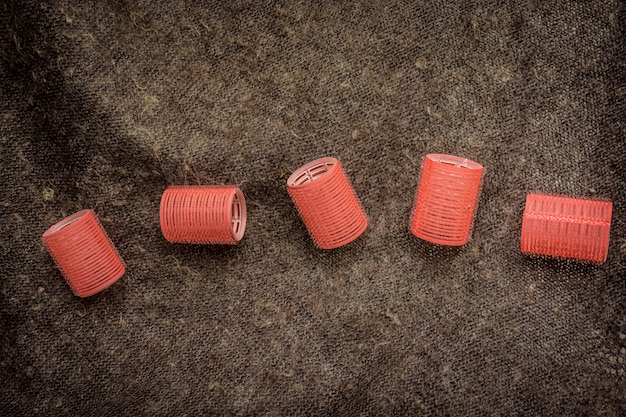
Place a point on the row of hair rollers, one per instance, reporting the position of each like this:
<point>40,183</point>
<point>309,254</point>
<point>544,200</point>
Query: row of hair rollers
<point>443,213</point>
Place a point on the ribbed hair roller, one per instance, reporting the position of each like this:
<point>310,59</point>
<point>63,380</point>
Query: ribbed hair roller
<point>84,254</point>
<point>201,214</point>
<point>327,203</point>
<point>446,199</point>
<point>566,227</point>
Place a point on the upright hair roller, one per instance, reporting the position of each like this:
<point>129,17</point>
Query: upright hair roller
<point>566,227</point>
<point>201,214</point>
<point>327,203</point>
<point>446,199</point>
<point>84,254</point>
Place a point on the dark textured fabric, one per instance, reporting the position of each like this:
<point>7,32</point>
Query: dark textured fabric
<point>105,104</point>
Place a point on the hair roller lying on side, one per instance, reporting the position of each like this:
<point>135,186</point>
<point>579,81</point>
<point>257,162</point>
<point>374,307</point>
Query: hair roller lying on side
<point>446,199</point>
<point>327,203</point>
<point>203,214</point>
<point>84,254</point>
<point>566,227</point>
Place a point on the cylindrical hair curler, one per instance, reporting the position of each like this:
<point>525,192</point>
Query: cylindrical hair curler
<point>327,203</point>
<point>203,214</point>
<point>84,254</point>
<point>566,227</point>
<point>446,199</point>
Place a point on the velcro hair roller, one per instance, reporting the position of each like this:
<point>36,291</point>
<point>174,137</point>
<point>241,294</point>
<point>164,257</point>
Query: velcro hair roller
<point>327,203</point>
<point>566,227</point>
<point>446,199</point>
<point>203,214</point>
<point>84,254</point>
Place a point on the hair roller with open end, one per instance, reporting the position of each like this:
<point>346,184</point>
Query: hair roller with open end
<point>327,203</point>
<point>446,199</point>
<point>566,227</point>
<point>84,254</point>
<point>203,214</point>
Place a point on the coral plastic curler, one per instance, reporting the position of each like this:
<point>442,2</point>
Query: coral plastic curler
<point>446,199</point>
<point>203,214</point>
<point>327,203</point>
<point>566,227</point>
<point>84,254</point>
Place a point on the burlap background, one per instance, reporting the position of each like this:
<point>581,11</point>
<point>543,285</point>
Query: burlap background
<point>104,104</point>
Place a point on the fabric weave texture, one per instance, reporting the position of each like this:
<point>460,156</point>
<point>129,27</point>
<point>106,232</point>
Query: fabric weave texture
<point>103,105</point>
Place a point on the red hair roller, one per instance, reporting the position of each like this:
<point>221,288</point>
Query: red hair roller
<point>446,199</point>
<point>84,254</point>
<point>566,227</point>
<point>327,203</point>
<point>201,214</point>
